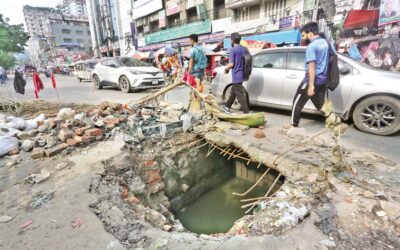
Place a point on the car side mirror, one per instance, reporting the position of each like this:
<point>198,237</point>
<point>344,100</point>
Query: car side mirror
<point>269,65</point>
<point>344,70</point>
<point>113,66</point>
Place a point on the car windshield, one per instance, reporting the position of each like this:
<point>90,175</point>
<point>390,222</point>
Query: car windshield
<point>91,65</point>
<point>132,62</point>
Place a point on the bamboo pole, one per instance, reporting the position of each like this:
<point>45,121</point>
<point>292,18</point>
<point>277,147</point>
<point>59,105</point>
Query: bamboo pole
<point>255,184</point>
<point>232,153</point>
<point>266,195</point>
<point>211,151</point>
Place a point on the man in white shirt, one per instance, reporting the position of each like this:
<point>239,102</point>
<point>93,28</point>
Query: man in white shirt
<point>2,75</point>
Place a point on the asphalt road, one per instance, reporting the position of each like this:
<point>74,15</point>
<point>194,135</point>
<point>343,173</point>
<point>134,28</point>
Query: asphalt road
<point>72,91</point>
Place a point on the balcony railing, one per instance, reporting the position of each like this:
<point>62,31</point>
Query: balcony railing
<point>233,4</point>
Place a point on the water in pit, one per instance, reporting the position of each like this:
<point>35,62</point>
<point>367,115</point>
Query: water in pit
<point>218,209</point>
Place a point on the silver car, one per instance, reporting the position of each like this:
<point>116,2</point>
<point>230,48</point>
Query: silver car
<point>370,97</point>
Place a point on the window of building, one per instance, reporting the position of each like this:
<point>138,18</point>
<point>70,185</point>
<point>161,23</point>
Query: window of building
<point>191,15</point>
<point>67,40</point>
<point>219,9</point>
<point>173,20</point>
<point>139,29</point>
<point>65,31</point>
<point>81,41</point>
<point>79,32</point>
<point>88,32</point>
<point>154,26</point>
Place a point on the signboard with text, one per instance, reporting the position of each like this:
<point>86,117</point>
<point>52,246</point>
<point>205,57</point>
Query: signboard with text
<point>173,7</point>
<point>161,18</point>
<point>389,12</point>
<point>180,31</point>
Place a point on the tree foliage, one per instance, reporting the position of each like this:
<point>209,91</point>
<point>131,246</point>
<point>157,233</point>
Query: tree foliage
<point>7,60</point>
<point>13,38</point>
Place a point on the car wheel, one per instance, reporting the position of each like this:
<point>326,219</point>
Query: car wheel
<point>124,84</point>
<point>236,105</point>
<point>97,83</point>
<point>378,115</point>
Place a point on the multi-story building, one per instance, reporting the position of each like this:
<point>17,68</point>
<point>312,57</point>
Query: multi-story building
<point>36,20</point>
<point>56,35</point>
<point>73,7</point>
<point>103,20</point>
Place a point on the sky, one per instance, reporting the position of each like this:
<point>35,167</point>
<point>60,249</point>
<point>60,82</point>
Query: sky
<point>13,8</point>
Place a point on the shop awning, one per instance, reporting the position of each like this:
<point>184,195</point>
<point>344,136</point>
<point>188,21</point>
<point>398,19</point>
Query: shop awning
<point>288,37</point>
<point>357,19</point>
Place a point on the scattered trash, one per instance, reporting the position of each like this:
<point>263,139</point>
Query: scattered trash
<point>40,199</point>
<point>26,224</point>
<point>7,143</point>
<point>38,178</point>
<point>77,223</point>
<point>328,243</point>
<point>380,213</point>
<point>5,218</point>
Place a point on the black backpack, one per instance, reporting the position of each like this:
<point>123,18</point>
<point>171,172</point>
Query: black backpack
<point>248,63</point>
<point>333,69</point>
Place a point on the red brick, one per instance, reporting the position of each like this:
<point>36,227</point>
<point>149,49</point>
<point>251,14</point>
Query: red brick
<point>94,132</point>
<point>123,119</point>
<point>56,149</point>
<point>13,151</point>
<point>153,175</point>
<point>81,131</point>
<point>54,122</point>
<point>65,134</point>
<point>38,153</point>
<point>89,138</point>
<point>73,143</point>
<point>82,139</point>
<point>150,163</point>
<point>111,121</point>
<point>39,123</point>
<point>259,133</point>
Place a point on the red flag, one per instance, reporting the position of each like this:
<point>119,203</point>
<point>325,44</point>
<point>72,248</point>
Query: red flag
<point>53,80</point>
<point>37,84</point>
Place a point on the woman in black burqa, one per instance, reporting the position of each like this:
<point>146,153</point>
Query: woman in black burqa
<point>19,83</point>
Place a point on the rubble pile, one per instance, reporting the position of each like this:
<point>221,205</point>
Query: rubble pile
<point>49,136</point>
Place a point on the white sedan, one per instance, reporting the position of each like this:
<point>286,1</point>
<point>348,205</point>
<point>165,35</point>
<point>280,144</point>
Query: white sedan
<point>127,73</point>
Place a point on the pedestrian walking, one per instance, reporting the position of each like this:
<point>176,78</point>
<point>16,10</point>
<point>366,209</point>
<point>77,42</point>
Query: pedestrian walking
<point>198,61</point>
<point>314,84</point>
<point>2,75</point>
<point>237,64</point>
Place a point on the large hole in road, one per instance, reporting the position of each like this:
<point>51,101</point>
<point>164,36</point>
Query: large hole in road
<point>200,184</point>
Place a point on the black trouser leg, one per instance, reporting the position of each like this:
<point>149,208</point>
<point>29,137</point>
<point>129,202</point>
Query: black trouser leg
<point>300,99</point>
<point>241,97</point>
<point>232,97</point>
<point>318,98</point>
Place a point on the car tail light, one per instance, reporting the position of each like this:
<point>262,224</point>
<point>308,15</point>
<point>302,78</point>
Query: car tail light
<point>214,74</point>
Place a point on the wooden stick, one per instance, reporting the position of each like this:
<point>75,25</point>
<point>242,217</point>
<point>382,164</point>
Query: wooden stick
<point>238,155</point>
<point>255,184</point>
<point>259,164</point>
<point>201,145</point>
<point>233,151</point>
<point>215,146</point>
<point>257,198</point>
<point>269,190</point>
<point>227,151</point>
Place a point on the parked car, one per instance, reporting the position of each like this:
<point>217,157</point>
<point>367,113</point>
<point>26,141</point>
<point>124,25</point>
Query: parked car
<point>127,73</point>
<point>83,69</point>
<point>369,96</point>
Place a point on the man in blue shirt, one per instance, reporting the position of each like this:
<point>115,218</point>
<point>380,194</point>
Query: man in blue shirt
<point>316,78</point>
<point>236,63</point>
<point>198,61</point>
